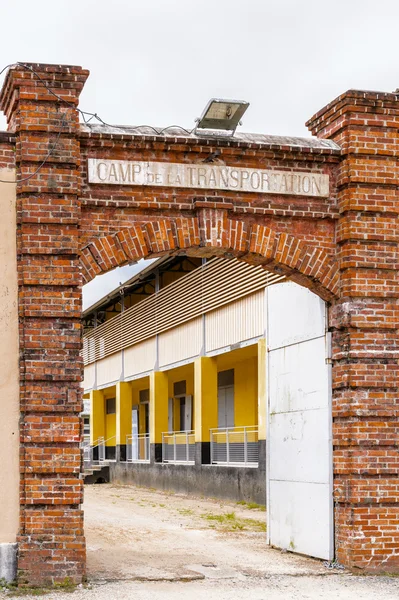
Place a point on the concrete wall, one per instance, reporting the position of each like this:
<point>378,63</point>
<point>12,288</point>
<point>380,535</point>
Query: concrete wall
<point>228,483</point>
<point>9,401</point>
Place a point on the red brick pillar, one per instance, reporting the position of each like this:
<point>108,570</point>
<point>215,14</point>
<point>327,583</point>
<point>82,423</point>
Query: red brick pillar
<point>51,542</point>
<point>365,325</point>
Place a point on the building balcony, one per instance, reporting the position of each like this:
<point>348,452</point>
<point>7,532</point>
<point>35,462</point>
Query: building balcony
<point>138,448</point>
<point>178,447</point>
<point>235,446</point>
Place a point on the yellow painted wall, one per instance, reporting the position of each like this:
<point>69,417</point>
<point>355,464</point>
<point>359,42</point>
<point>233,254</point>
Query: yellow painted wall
<point>206,408</point>
<point>201,382</point>
<point>159,388</point>
<point>97,416</point>
<point>142,419</point>
<point>246,393</point>
<point>176,415</point>
<point>186,372</point>
<point>110,420</point>
<point>123,412</point>
<point>110,430</point>
<point>244,361</point>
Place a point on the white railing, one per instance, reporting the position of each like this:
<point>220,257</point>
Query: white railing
<point>101,445</point>
<point>178,447</point>
<point>138,448</point>
<point>235,446</point>
<point>87,455</point>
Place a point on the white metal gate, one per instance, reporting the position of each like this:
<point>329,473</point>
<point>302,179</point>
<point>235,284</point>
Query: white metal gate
<point>299,446</point>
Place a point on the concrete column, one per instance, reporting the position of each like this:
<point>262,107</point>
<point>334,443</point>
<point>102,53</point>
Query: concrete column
<point>205,406</point>
<point>262,402</point>
<point>158,413</point>
<point>123,417</point>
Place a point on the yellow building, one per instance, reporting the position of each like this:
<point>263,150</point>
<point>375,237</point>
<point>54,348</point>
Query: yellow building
<point>175,382</point>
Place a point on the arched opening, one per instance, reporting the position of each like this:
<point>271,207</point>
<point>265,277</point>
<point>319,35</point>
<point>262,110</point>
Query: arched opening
<point>211,233</point>
<point>181,386</point>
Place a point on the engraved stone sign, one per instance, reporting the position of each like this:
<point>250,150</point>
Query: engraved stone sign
<point>211,177</point>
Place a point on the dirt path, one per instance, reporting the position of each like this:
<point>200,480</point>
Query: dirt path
<point>135,533</point>
<point>157,546</point>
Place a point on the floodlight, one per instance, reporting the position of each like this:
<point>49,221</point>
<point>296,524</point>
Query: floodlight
<point>222,115</point>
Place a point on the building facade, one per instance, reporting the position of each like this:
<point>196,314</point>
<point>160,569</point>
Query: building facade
<point>175,375</point>
<point>321,211</point>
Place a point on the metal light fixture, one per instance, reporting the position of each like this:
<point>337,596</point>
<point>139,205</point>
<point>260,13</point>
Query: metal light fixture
<point>221,115</point>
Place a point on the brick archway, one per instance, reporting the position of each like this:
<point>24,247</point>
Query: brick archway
<point>213,233</point>
<point>343,245</point>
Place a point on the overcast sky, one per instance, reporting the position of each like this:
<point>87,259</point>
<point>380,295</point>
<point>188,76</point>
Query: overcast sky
<point>158,62</point>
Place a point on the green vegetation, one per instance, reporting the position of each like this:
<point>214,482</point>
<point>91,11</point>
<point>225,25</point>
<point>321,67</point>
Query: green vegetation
<point>13,591</point>
<point>230,522</point>
<point>252,505</point>
<point>185,511</point>
<point>7,586</point>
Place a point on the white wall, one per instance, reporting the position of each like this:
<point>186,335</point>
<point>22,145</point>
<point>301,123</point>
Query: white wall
<point>181,343</point>
<point>140,358</point>
<point>236,322</point>
<point>109,369</point>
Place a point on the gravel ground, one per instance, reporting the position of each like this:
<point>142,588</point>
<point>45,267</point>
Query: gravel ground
<point>154,545</point>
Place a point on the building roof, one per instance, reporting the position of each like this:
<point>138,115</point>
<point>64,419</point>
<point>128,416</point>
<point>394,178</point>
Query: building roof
<point>256,139</point>
<point>145,270</point>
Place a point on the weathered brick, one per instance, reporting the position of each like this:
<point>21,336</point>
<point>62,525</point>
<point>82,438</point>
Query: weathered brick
<point>344,248</point>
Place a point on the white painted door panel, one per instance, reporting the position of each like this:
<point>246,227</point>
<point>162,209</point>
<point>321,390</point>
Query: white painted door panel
<point>187,413</point>
<point>229,406</point>
<point>295,314</point>
<point>299,448</point>
<point>296,528</point>
<point>298,437</point>
<point>135,432</point>
<point>221,407</point>
<point>298,377</point>
<point>226,406</point>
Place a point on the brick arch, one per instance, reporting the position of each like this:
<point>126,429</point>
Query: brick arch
<point>61,214</point>
<point>214,234</point>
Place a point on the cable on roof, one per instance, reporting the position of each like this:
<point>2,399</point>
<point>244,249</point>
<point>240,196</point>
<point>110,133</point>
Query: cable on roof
<point>84,113</point>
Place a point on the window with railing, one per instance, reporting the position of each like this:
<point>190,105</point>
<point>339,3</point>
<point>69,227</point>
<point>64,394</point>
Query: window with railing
<point>235,446</point>
<point>178,447</point>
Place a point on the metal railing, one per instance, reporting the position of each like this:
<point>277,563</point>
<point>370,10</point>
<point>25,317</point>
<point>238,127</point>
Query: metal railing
<point>101,445</point>
<point>87,453</point>
<point>178,447</point>
<point>138,448</point>
<point>235,446</point>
